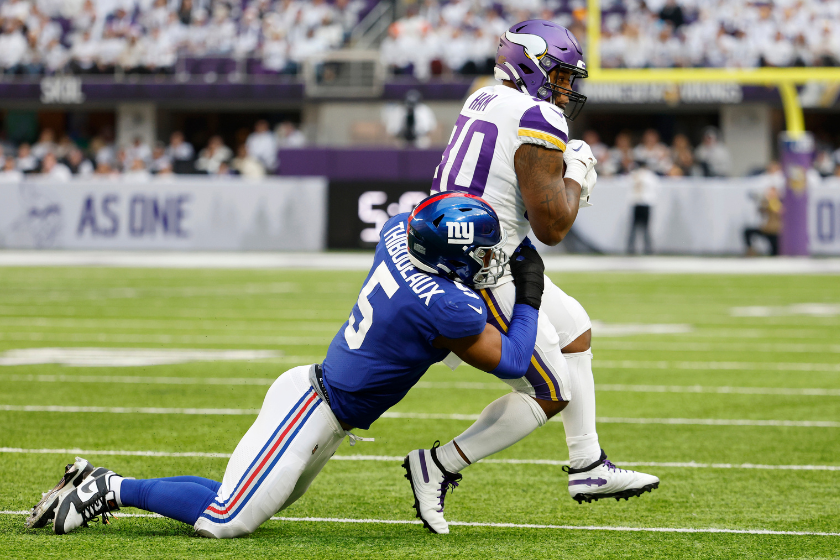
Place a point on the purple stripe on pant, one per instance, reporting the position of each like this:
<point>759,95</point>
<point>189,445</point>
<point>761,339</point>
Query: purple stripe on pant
<point>542,389</point>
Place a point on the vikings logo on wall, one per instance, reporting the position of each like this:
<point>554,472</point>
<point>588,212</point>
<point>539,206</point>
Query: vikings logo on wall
<point>40,221</point>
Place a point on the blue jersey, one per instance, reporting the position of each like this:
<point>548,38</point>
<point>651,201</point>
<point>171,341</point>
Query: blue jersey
<point>386,345</point>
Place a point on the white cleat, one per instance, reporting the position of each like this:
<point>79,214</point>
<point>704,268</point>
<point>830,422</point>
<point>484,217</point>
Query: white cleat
<point>44,511</point>
<point>429,482</point>
<point>602,479</point>
<point>88,501</point>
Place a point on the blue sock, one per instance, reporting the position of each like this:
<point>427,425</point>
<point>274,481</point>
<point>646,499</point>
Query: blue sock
<point>206,482</point>
<point>182,500</point>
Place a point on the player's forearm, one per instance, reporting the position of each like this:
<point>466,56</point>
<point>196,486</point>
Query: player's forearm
<point>518,343</point>
<point>551,201</point>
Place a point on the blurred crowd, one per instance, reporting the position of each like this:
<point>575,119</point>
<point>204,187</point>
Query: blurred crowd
<point>61,159</point>
<point>710,158</point>
<point>720,33</point>
<point>461,36</point>
<point>149,36</point>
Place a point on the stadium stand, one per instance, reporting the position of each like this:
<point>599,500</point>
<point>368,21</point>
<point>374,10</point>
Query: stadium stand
<point>168,36</point>
<point>636,33</point>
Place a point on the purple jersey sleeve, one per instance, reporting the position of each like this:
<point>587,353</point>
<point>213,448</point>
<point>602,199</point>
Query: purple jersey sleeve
<point>544,125</point>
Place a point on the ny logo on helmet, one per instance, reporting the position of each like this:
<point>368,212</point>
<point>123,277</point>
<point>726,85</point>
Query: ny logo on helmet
<point>460,233</point>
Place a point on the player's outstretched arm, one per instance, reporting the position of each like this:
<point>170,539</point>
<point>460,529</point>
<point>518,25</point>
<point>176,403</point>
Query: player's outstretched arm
<point>507,355</point>
<point>551,201</point>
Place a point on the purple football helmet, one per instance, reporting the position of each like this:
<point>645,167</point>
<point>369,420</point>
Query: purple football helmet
<point>530,50</point>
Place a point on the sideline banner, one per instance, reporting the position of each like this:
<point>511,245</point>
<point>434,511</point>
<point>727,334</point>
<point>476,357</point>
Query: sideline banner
<point>702,216</point>
<point>183,214</point>
<point>824,217</point>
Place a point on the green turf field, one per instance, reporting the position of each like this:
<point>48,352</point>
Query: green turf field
<point>702,394</point>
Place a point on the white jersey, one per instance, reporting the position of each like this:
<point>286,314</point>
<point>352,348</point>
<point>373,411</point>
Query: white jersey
<point>494,122</point>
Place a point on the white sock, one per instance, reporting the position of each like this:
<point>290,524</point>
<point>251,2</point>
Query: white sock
<point>501,424</point>
<point>115,485</point>
<point>579,414</point>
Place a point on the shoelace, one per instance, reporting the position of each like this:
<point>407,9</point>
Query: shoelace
<point>92,512</point>
<point>353,438</point>
<point>610,466</point>
<point>444,488</point>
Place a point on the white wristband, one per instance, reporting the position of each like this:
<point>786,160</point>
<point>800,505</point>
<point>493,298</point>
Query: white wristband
<point>576,171</point>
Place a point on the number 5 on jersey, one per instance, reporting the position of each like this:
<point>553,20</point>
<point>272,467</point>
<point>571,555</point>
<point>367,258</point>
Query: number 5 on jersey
<point>381,277</point>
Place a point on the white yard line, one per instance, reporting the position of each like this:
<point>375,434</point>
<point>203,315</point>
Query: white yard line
<point>394,458</point>
<point>764,348</point>
<point>362,262</point>
<point>133,338</point>
<point>415,416</point>
<point>444,385</point>
<point>513,525</point>
<point>729,366</point>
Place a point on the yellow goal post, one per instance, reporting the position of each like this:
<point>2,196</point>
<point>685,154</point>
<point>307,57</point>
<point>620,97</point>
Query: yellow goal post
<point>785,79</point>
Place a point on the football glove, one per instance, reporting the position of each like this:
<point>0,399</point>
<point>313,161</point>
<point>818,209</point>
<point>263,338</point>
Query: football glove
<point>579,160</point>
<point>527,269</point>
<point>587,187</point>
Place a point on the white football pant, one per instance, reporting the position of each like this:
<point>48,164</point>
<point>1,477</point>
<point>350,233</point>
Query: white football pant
<point>291,440</point>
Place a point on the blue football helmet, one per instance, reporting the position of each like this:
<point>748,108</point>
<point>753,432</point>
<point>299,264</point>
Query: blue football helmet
<point>457,235</point>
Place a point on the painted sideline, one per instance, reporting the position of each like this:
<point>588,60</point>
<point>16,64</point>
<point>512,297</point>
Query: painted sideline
<point>514,525</point>
<point>390,458</point>
<point>479,385</point>
<point>417,416</point>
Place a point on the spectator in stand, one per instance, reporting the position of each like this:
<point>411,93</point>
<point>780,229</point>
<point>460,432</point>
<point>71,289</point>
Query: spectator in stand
<point>131,58</point>
<point>683,158</point>
<point>26,162</point>
<point>410,123</point>
<point>262,144</point>
<point>212,156</point>
<point>247,165</point>
<point>621,160</point>
<point>137,172</point>
<point>160,160</point>
<point>653,153</point>
<point>275,52</point>
<point>110,51</point>
<point>64,146</point>
<point>673,13</point>
<point>56,57</point>
<point>712,155</point>
<point>84,54</point>
<point>185,10</point>
<point>54,171</point>
<point>102,148</point>
<point>13,47</point>
<point>221,32</point>
<point>159,54</point>
<point>10,173</point>
<point>105,170</point>
<point>599,149</point>
<point>45,144</point>
<point>78,164</point>
<point>289,136</point>
<point>138,150</point>
<point>181,153</point>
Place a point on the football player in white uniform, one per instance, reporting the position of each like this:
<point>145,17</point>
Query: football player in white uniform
<point>510,146</point>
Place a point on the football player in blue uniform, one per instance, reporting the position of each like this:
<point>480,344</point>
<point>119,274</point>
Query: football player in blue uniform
<point>416,306</point>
